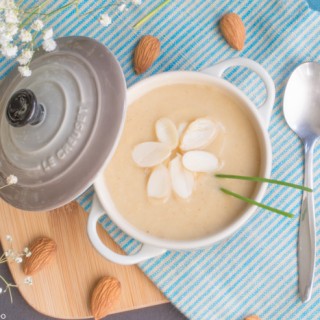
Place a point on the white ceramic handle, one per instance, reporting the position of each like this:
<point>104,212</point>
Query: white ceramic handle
<point>146,252</point>
<point>266,108</point>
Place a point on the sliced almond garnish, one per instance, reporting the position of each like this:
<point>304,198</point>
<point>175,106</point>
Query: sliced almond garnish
<point>199,134</point>
<point>200,161</point>
<point>159,184</point>
<point>150,154</point>
<point>167,132</point>
<point>182,180</point>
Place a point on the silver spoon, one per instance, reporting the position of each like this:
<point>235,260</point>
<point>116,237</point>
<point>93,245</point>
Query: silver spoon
<point>301,108</point>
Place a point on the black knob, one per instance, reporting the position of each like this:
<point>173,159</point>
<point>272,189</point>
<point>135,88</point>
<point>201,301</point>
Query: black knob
<point>23,109</point>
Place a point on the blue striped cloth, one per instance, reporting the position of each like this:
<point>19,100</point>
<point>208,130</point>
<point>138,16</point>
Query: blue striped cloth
<point>255,271</point>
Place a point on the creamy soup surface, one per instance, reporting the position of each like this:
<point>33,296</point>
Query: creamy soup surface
<point>208,210</point>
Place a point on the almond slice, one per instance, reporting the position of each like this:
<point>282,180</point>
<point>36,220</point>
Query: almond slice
<point>200,161</point>
<point>159,184</point>
<point>199,134</point>
<point>150,154</point>
<point>182,180</point>
<point>167,132</point>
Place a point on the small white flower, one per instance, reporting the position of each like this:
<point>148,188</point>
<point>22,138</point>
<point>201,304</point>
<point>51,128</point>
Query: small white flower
<point>12,179</point>
<point>105,20</point>
<point>37,25</point>
<point>3,27</point>
<point>11,16</point>
<point>25,57</point>
<point>18,260</point>
<point>8,238</point>
<point>9,253</point>
<point>12,29</point>
<point>47,34</point>
<point>28,281</point>
<point>137,2</point>
<point>28,254</point>
<point>9,51</point>
<point>25,71</point>
<point>25,35</point>
<point>49,45</point>
<point>122,7</point>
<point>1,290</point>
<point>5,38</point>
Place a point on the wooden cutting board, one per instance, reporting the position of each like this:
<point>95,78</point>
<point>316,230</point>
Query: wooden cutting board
<point>62,289</point>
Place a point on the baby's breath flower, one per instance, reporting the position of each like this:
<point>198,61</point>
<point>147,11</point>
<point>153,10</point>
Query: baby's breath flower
<point>28,254</point>
<point>37,25</point>
<point>12,179</point>
<point>49,45</point>
<point>105,20</point>
<point>11,16</point>
<point>3,27</point>
<point>5,38</point>
<point>12,29</point>
<point>28,281</point>
<point>137,2</point>
<point>25,71</point>
<point>47,34</point>
<point>25,35</point>
<point>18,259</point>
<point>25,57</point>
<point>122,7</point>
<point>9,51</point>
<point>8,238</point>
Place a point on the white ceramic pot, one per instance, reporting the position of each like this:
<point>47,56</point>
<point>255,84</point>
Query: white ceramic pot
<point>153,246</point>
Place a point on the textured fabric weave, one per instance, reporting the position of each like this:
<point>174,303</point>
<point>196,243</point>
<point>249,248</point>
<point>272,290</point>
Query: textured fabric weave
<point>255,271</point>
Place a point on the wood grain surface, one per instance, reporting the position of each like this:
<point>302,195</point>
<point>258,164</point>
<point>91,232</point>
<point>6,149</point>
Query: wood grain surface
<point>63,289</point>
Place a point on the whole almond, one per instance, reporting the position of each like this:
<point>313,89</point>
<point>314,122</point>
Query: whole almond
<point>104,296</point>
<point>253,317</point>
<point>145,53</point>
<point>43,250</point>
<point>233,30</point>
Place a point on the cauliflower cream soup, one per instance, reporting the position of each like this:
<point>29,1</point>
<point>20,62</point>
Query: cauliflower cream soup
<point>176,137</point>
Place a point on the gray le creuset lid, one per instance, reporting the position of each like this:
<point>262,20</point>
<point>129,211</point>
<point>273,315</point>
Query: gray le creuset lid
<point>58,126</point>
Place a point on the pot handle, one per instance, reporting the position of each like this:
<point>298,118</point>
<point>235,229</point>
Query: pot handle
<point>266,108</point>
<point>146,251</point>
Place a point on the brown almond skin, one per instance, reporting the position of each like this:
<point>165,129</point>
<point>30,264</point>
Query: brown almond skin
<point>145,53</point>
<point>253,317</point>
<point>43,250</point>
<point>233,30</point>
<point>104,297</point>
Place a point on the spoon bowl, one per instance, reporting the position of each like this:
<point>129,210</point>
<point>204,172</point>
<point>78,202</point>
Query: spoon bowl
<point>301,108</point>
<point>301,105</point>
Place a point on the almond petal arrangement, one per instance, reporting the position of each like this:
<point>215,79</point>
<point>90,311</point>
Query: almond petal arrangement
<point>177,157</point>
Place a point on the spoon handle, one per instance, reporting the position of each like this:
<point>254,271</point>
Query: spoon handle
<point>307,236</point>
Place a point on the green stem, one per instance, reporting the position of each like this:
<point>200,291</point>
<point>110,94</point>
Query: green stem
<point>35,11</point>
<point>63,7</point>
<point>7,286</point>
<point>259,179</point>
<point>97,9</point>
<point>150,14</point>
<point>258,204</point>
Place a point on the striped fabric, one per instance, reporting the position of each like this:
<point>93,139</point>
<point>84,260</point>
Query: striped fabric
<point>255,271</point>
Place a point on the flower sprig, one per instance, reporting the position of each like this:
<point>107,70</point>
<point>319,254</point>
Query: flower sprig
<point>10,255</point>
<point>20,28</point>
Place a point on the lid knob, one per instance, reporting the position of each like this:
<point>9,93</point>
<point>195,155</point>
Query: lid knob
<point>24,109</point>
